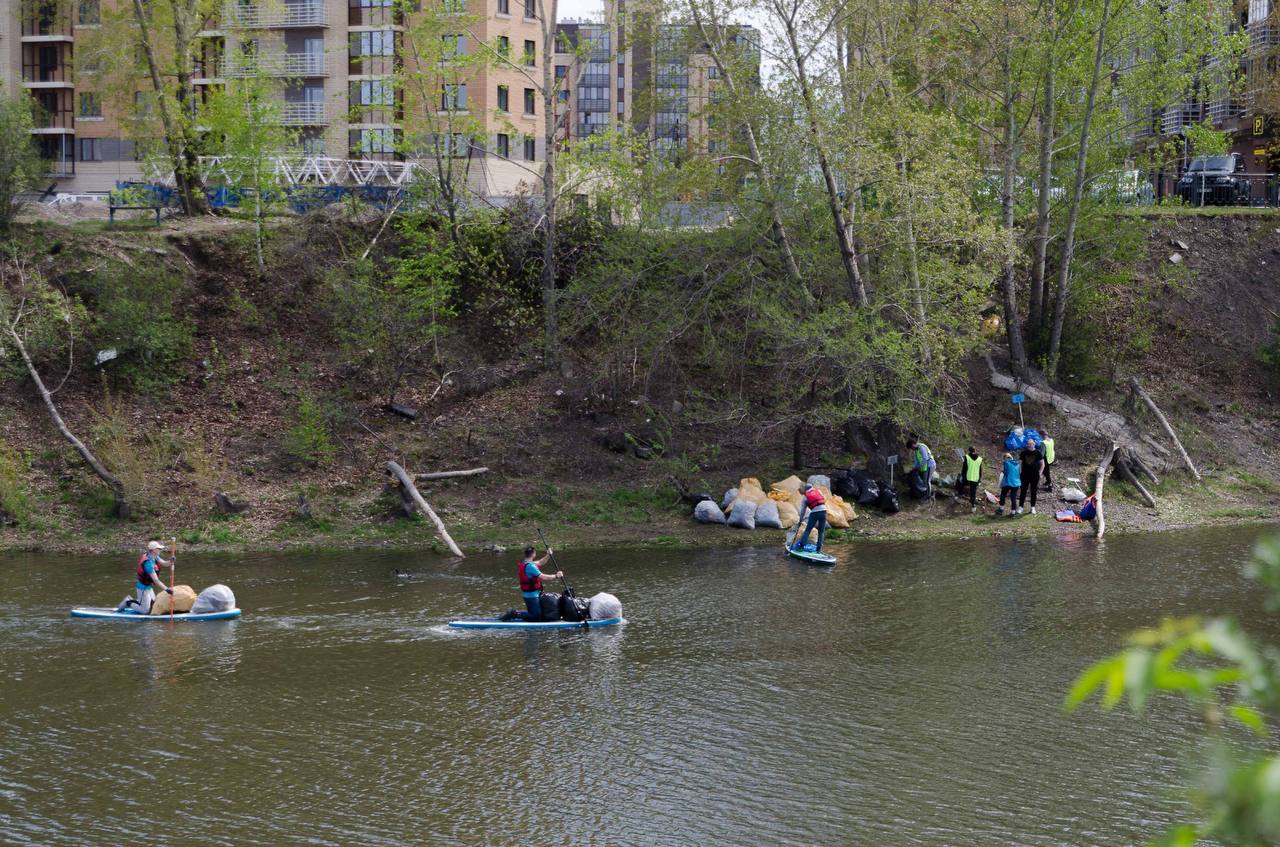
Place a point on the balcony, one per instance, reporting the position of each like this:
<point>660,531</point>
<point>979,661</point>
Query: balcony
<point>277,16</point>
<point>1263,35</point>
<point>277,64</point>
<point>1176,118</point>
<point>304,114</point>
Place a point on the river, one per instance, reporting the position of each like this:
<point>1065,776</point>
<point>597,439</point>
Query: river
<point>909,696</point>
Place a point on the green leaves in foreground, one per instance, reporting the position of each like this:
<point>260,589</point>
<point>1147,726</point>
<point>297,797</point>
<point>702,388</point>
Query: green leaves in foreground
<point>1232,679</point>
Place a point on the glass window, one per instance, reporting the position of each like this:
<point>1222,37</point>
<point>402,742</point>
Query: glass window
<point>90,13</point>
<point>530,8</point>
<point>530,54</point>
<point>530,150</point>
<point>504,145</point>
<point>504,98</point>
<point>90,150</point>
<point>504,47</point>
<point>453,97</point>
<point>90,106</point>
<point>504,7</point>
<point>455,6</point>
<point>529,102</point>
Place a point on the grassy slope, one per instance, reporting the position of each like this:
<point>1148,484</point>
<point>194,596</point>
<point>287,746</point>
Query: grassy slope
<point>258,350</point>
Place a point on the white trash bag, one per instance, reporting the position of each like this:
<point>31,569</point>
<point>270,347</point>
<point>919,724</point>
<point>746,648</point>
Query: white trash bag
<point>215,598</point>
<point>605,607</point>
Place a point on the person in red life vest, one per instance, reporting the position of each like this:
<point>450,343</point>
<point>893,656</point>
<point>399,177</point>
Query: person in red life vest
<point>530,574</point>
<point>148,578</point>
<point>815,505</point>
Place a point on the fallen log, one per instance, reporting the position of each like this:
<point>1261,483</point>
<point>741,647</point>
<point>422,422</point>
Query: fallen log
<point>1143,468</point>
<point>1100,522</point>
<point>1164,423</point>
<point>1122,467</point>
<point>1080,415</point>
<point>427,477</point>
<point>407,487</point>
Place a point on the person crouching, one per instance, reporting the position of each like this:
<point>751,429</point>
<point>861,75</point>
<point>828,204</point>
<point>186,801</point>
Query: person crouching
<point>816,506</point>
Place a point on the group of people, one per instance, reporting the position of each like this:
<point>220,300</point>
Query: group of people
<point>1021,476</point>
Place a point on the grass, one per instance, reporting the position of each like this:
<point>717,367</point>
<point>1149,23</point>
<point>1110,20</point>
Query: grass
<point>552,505</point>
<point>1239,512</point>
<point>1262,484</point>
<point>1197,211</point>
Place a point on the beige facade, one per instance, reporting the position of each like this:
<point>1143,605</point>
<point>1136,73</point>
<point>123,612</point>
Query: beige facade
<point>336,59</point>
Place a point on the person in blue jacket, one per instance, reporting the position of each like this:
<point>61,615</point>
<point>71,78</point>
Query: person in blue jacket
<point>530,573</point>
<point>1010,482</point>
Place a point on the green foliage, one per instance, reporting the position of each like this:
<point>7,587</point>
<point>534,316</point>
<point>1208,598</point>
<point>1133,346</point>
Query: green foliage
<point>1269,353</point>
<point>21,168</point>
<point>138,314</point>
<point>309,440</point>
<point>15,500</point>
<point>1234,681</point>
<point>551,504</point>
<point>1204,140</point>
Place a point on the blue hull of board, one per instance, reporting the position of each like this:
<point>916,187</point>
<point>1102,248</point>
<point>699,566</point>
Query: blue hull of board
<point>494,623</point>
<point>812,558</point>
<point>113,615</point>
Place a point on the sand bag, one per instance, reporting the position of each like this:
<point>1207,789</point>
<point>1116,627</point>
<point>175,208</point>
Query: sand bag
<point>215,598</point>
<point>788,515</point>
<point>743,515</point>
<point>184,597</point>
<point>767,515</point>
<point>707,512</point>
<point>603,607</point>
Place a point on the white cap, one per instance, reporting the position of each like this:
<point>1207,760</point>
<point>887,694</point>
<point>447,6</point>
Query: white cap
<point>155,545</point>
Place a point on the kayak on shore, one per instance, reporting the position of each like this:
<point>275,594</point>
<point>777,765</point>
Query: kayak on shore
<point>495,623</point>
<point>112,614</point>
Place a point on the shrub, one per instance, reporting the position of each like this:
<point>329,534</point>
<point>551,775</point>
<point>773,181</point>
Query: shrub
<point>309,440</point>
<point>15,503</point>
<point>1269,353</point>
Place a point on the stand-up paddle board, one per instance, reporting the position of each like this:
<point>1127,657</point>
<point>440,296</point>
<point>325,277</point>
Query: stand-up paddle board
<point>494,623</point>
<point>113,615</point>
<point>812,558</point>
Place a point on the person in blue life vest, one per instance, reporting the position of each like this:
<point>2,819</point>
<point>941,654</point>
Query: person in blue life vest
<point>922,466</point>
<point>815,506</point>
<point>969,477</point>
<point>530,573</point>
<point>147,579</point>
<point>1010,482</point>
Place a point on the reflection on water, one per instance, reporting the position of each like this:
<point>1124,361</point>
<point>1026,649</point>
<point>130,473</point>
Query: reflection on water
<point>910,696</point>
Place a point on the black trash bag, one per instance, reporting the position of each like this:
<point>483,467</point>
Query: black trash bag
<point>868,489</point>
<point>919,485</point>
<point>888,500</point>
<point>844,486</point>
<point>573,607</point>
<point>509,615</point>
<point>550,606</point>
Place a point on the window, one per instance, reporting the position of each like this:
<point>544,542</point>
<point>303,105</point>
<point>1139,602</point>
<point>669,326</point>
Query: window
<point>378,42</point>
<point>90,106</point>
<point>455,6</point>
<point>453,97</point>
<point>531,8</point>
<point>452,46</point>
<point>504,98</point>
<point>504,47</point>
<point>373,142</point>
<point>530,150</point>
<point>313,145</point>
<point>90,150</point>
<point>530,55</point>
<point>504,7</point>
<point>372,92</point>
<point>90,14</point>
<point>529,102</point>
<point>504,145</point>
<point>564,95</point>
<point>562,71</point>
<point>713,73</point>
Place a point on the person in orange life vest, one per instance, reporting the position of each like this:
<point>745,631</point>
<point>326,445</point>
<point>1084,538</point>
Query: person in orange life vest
<point>148,578</point>
<point>530,573</point>
<point>816,506</point>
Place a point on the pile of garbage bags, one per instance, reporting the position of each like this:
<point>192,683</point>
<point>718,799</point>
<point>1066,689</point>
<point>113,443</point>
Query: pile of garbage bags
<point>570,607</point>
<point>1018,436</point>
<point>749,506</point>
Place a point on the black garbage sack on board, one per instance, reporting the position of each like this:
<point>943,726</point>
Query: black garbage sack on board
<point>888,500</point>
<point>550,606</point>
<point>573,607</point>
<point>868,489</point>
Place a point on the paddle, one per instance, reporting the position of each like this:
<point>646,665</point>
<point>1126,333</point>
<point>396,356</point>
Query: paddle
<point>173,565</point>
<point>543,539</point>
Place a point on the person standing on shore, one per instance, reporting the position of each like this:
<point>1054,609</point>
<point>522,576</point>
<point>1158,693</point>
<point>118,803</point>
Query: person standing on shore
<point>970,476</point>
<point>1010,482</point>
<point>922,466</point>
<point>1032,463</point>
<point>1049,458</point>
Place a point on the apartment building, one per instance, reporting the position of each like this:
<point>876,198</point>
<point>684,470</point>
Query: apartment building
<point>336,60</point>
<point>657,79</point>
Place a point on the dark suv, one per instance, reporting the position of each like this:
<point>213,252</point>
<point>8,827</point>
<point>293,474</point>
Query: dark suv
<point>1215,181</point>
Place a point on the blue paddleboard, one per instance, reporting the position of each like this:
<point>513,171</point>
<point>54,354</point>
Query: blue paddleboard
<point>112,614</point>
<point>494,623</point>
<point>812,558</point>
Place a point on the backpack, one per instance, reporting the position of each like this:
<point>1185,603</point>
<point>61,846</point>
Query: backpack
<point>550,606</point>
<point>573,607</point>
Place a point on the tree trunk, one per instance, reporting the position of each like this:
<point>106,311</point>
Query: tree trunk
<point>117,488</point>
<point>1122,467</point>
<point>407,486</point>
<point>551,338</point>
<point>1008,281</point>
<point>1045,186</point>
<point>1077,193</point>
<point>425,477</point>
<point>848,254</point>
<point>1100,523</point>
<point>1164,424</point>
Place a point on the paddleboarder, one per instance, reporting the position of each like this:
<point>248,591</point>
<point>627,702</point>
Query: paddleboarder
<point>815,505</point>
<point>530,573</point>
<point>148,578</point>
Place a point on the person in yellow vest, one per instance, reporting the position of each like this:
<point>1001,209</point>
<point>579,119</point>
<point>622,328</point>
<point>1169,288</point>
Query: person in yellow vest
<point>1046,446</point>
<point>970,475</point>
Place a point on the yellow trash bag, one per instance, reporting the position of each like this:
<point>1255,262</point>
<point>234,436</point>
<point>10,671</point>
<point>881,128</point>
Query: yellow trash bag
<point>788,515</point>
<point>790,485</point>
<point>184,597</point>
<point>749,489</point>
<point>839,513</point>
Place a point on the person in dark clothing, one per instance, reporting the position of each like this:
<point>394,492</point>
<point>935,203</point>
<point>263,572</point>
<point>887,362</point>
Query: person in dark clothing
<point>969,477</point>
<point>1032,465</point>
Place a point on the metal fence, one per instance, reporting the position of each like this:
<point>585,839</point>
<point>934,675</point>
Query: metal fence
<point>1237,189</point>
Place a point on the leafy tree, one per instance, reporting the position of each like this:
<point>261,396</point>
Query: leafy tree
<point>1233,680</point>
<point>20,165</point>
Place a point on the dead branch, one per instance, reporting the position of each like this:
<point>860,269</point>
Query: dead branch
<point>407,486</point>
<point>427,477</point>
<point>1100,524</point>
<point>1164,423</point>
<point>1122,467</point>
